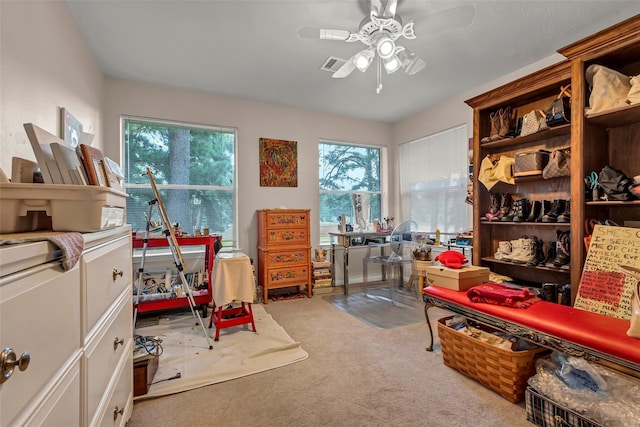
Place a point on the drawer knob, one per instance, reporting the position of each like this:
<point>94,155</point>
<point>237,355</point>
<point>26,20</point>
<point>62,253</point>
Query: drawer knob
<point>116,412</point>
<point>117,341</point>
<point>117,273</point>
<point>8,362</point>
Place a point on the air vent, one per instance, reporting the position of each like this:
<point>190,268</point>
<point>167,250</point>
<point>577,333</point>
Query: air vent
<point>332,64</point>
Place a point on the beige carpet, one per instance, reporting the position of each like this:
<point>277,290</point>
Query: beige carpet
<point>238,353</point>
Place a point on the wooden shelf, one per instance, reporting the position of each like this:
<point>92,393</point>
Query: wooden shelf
<point>535,224</point>
<point>616,203</point>
<point>615,117</point>
<point>537,267</point>
<point>534,137</point>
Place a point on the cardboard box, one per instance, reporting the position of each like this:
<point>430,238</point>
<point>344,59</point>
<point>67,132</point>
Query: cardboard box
<point>458,279</point>
<point>60,207</point>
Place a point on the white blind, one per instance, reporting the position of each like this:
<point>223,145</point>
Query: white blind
<point>433,181</point>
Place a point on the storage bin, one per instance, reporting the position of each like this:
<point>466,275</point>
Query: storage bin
<point>458,279</point>
<point>504,371</point>
<point>544,412</point>
<point>60,207</point>
<point>528,163</point>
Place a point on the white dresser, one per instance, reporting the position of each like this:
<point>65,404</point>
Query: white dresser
<point>76,326</point>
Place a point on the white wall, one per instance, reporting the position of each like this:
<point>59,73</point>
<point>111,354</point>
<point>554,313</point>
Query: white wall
<point>44,65</point>
<point>253,121</point>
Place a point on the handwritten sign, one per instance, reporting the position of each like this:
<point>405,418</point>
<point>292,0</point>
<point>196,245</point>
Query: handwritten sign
<point>604,288</point>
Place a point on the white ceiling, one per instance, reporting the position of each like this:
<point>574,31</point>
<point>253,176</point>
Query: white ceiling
<point>248,49</point>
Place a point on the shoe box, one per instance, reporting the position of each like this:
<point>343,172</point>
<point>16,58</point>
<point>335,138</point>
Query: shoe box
<point>458,279</point>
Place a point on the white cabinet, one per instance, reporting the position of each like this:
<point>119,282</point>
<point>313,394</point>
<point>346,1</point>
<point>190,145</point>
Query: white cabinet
<point>76,327</point>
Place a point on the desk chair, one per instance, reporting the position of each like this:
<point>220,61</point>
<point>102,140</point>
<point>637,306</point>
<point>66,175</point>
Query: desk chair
<point>400,245</point>
<point>232,280</point>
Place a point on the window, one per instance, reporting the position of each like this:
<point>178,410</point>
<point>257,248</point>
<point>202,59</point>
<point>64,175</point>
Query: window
<point>433,181</point>
<point>347,170</point>
<point>194,169</point>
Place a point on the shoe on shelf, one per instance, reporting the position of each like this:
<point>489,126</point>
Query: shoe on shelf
<point>549,292</point>
<point>565,216</point>
<point>545,208</point>
<point>526,251</point>
<point>550,255</point>
<point>523,211</point>
<point>504,249</point>
<point>536,205</point>
<point>494,207</point>
<point>538,253</point>
<point>516,206</point>
<point>516,248</point>
<point>505,203</point>
<point>495,128</point>
<point>563,246</point>
<point>557,208</point>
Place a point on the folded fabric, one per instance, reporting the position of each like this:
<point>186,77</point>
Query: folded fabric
<point>70,243</point>
<point>501,170</point>
<point>498,294</point>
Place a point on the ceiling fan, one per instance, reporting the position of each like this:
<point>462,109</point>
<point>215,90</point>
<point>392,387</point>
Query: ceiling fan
<point>379,32</point>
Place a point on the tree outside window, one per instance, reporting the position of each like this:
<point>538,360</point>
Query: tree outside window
<point>344,170</point>
<point>194,168</point>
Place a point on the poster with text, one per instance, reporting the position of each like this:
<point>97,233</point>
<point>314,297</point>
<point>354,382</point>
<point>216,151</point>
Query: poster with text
<point>604,288</point>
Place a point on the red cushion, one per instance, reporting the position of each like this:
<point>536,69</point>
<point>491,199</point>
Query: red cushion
<point>595,331</point>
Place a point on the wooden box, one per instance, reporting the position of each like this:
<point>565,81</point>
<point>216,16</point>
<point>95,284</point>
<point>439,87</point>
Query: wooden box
<point>143,372</point>
<point>458,279</point>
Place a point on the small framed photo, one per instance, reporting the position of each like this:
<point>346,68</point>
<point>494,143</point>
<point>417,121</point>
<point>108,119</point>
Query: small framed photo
<point>93,161</point>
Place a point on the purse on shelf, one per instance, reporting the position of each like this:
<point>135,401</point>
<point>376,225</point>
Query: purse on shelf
<point>532,122</point>
<point>558,165</point>
<point>559,113</point>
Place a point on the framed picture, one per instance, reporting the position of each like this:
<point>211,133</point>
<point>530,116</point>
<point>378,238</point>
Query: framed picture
<point>93,161</point>
<point>278,163</point>
<point>70,128</point>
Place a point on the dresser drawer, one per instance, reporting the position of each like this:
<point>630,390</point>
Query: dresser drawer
<point>284,276</point>
<point>106,349</point>
<point>106,272</point>
<point>290,236</point>
<point>39,314</point>
<point>286,257</point>
<point>286,219</point>
<point>119,404</point>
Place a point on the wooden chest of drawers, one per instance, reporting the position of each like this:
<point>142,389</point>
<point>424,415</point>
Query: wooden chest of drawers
<point>284,249</point>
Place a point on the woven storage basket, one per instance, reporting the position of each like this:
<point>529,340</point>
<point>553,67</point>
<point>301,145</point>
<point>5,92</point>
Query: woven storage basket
<point>503,371</point>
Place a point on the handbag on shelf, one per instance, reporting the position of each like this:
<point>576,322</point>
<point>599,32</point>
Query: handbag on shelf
<point>530,162</point>
<point>558,165</point>
<point>559,113</point>
<point>532,122</point>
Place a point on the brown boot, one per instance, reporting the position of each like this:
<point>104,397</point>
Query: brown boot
<point>504,123</point>
<point>495,127</point>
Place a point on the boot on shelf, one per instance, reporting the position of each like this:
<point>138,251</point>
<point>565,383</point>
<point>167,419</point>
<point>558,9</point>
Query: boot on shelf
<point>505,203</point>
<point>504,249</point>
<point>494,117</point>
<point>565,216</point>
<point>536,205</point>
<point>504,123</point>
<point>550,255</point>
<point>494,207</point>
<point>545,208</point>
<point>556,209</point>
<point>538,253</point>
<point>516,207</point>
<point>563,245</point>
<point>523,211</point>
<point>549,292</point>
<point>516,248</point>
<point>526,251</point>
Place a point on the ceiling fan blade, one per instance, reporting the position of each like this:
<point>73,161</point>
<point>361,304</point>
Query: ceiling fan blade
<point>322,34</point>
<point>384,9</point>
<point>346,69</point>
<point>456,17</point>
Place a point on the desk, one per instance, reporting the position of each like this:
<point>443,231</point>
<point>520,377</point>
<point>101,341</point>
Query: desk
<point>346,240</point>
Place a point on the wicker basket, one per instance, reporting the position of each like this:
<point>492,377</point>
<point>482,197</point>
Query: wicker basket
<point>503,371</point>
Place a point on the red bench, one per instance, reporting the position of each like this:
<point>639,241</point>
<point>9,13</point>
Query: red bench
<point>570,330</point>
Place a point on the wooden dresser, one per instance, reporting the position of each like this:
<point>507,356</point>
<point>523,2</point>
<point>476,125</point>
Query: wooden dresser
<point>284,249</point>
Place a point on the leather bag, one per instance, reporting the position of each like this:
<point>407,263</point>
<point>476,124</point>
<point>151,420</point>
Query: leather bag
<point>615,184</point>
<point>532,122</point>
<point>558,165</point>
<point>559,113</point>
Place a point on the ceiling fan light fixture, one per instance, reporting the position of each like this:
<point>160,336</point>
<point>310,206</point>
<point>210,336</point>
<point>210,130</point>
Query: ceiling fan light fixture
<point>392,64</point>
<point>363,59</point>
<point>384,45</point>
<point>410,62</point>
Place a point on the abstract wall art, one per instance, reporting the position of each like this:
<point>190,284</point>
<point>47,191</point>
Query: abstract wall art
<point>278,163</point>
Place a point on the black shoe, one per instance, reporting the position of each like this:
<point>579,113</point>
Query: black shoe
<point>550,256</point>
<point>538,253</point>
<point>565,216</point>
<point>545,208</point>
<point>505,203</point>
<point>563,246</point>
<point>523,211</point>
<point>512,212</point>
<point>565,295</point>
<point>536,205</point>
<point>556,209</point>
<point>549,292</point>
